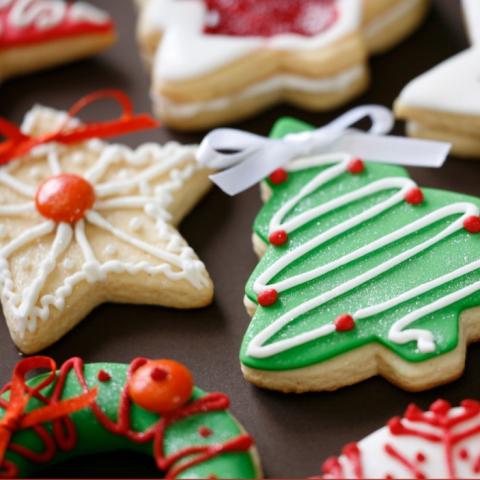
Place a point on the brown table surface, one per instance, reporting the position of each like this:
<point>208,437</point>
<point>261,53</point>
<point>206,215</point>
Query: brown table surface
<point>294,433</point>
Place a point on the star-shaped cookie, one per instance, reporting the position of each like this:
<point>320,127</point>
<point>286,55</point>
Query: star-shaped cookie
<point>36,34</point>
<point>94,222</point>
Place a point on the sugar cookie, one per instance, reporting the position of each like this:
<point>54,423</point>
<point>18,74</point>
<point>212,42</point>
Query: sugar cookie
<point>362,273</point>
<point>36,34</point>
<point>96,222</point>
<point>443,442</point>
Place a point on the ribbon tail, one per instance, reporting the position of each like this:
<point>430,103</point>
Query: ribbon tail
<point>254,169</point>
<point>5,436</point>
<point>59,410</point>
<point>393,150</point>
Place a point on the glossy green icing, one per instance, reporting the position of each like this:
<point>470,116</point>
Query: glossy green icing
<point>94,439</point>
<point>458,250</point>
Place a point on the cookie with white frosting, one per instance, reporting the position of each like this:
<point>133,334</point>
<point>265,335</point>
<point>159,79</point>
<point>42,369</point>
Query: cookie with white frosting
<point>443,442</point>
<point>37,34</point>
<point>90,222</point>
<point>216,61</point>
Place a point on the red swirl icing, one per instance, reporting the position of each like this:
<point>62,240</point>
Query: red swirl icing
<point>267,18</point>
<point>24,22</point>
<point>64,435</point>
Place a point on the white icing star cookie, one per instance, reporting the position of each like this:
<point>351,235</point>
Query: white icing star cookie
<point>94,222</point>
<point>443,442</point>
<point>444,103</point>
<point>36,34</point>
<point>216,61</point>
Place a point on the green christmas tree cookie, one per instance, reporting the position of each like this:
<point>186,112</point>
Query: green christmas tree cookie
<point>362,273</point>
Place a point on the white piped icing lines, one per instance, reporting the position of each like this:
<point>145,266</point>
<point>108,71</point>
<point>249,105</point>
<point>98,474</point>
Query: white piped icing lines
<point>263,345</point>
<point>162,171</point>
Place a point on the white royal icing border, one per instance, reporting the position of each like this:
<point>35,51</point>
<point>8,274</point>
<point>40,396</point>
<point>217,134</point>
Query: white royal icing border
<point>279,83</point>
<point>186,52</point>
<point>180,262</point>
<point>400,333</point>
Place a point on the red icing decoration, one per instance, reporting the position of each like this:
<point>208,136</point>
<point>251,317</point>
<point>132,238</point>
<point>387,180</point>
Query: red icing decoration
<point>64,434</point>
<point>55,411</point>
<point>414,196</point>
<point>356,166</point>
<point>64,198</point>
<point>344,323</point>
<point>205,432</point>
<point>472,224</point>
<point>161,386</point>
<point>33,32</point>
<point>278,238</point>
<point>447,433</point>
<point>280,175</point>
<point>267,18</point>
<point>18,144</point>
<point>268,297</point>
<point>104,376</point>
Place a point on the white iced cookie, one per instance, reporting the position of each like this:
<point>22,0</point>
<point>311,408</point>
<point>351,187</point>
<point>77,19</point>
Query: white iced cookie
<point>94,222</point>
<point>36,34</point>
<point>443,442</point>
<point>471,10</point>
<point>444,103</point>
<point>215,61</point>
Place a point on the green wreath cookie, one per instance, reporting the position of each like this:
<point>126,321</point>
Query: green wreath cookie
<point>363,273</point>
<point>149,407</point>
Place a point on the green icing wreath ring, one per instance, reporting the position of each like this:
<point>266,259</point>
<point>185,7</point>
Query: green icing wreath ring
<point>99,408</point>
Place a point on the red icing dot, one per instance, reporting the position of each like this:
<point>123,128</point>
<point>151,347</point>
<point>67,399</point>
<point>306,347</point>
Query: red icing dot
<point>268,297</point>
<point>420,457</point>
<point>463,453</point>
<point>159,374</point>
<point>64,198</point>
<point>472,224</point>
<point>278,176</point>
<point>205,432</point>
<point>414,196</point>
<point>344,323</point>
<point>440,407</point>
<point>267,18</point>
<point>395,426</point>
<point>280,237</point>
<point>161,386</point>
<point>104,376</point>
<point>356,166</point>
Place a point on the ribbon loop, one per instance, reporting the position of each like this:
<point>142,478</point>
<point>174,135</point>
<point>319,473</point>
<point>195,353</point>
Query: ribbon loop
<point>18,144</point>
<point>247,158</point>
<point>16,417</point>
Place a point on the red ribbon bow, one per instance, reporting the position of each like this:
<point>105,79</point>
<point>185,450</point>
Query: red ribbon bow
<point>15,417</point>
<point>17,144</point>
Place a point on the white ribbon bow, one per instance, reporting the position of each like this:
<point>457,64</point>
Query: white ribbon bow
<point>255,157</point>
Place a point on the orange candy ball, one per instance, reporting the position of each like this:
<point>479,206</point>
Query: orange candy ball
<point>64,198</point>
<point>161,386</point>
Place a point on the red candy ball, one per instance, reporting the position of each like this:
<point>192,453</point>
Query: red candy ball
<point>161,386</point>
<point>472,224</point>
<point>280,237</point>
<point>278,176</point>
<point>64,198</point>
<point>268,297</point>
<point>344,323</point>
<point>414,196</point>
<point>356,166</point>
